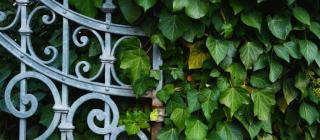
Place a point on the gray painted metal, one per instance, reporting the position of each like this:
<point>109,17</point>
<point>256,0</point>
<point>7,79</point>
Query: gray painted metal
<point>33,67</point>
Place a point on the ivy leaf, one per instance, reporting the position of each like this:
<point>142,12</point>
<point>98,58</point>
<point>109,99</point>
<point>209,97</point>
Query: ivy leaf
<point>301,15</point>
<point>261,63</point>
<point>282,52</point>
<point>275,70</point>
<point>308,113</point>
<point>238,74</point>
<point>234,98</point>
<point>159,40</point>
<point>168,134</point>
<point>289,91</point>
<point>196,29</point>
<point>174,102</point>
<point>209,101</point>
<point>197,8</point>
<point>309,50</point>
<point>245,116</point>
<point>227,131</point>
<point>263,101</point>
<point>165,93</point>
<point>140,86</point>
<point>129,9</point>
<point>137,62</point>
<point>279,25</point>
<point>237,6</point>
<point>293,49</point>
<point>146,4</point>
<point>317,61</point>
<point>87,7</point>
<point>301,83</point>
<point>252,19</point>
<point>197,56</point>
<point>195,129</point>
<point>217,48</point>
<point>179,4</point>
<point>315,28</point>
<point>260,79</point>
<point>172,26</point>
<point>193,101</point>
<point>249,53</point>
<point>178,116</point>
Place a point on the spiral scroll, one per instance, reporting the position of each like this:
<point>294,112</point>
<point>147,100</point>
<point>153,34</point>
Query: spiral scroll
<point>84,41</point>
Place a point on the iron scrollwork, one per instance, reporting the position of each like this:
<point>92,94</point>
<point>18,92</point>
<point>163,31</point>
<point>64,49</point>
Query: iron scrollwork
<point>34,67</point>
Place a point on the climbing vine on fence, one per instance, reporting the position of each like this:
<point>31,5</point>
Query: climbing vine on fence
<point>233,69</point>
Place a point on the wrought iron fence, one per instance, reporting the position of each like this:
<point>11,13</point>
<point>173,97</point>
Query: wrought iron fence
<point>34,67</point>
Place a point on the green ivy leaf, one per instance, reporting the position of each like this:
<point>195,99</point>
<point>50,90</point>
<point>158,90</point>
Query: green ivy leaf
<point>293,49</point>
<point>237,6</point>
<point>179,116</point>
<point>137,62</point>
<point>165,93</point>
<point>238,74</point>
<point>245,116</point>
<point>141,85</point>
<point>159,40</point>
<point>196,29</point>
<point>209,101</point>
<point>130,10</point>
<point>261,63</point>
<point>309,50</point>
<point>252,19</point>
<point>249,53</point>
<point>87,7</point>
<point>317,61</point>
<point>282,52</point>
<point>275,70</point>
<point>195,129</point>
<point>315,28</point>
<point>308,113</point>
<point>301,83</point>
<point>234,98</point>
<point>263,101</point>
<point>193,101</point>
<point>260,79</point>
<point>168,134</point>
<point>227,131</point>
<point>146,4</point>
<point>179,4</point>
<point>172,26</point>
<point>197,8</point>
<point>279,25</point>
<point>289,91</point>
<point>218,48</point>
<point>301,15</point>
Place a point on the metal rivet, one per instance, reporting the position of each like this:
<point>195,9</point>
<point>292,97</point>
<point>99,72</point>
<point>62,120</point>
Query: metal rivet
<point>108,27</point>
<point>64,12</point>
<point>107,89</point>
<point>63,78</point>
<point>21,56</point>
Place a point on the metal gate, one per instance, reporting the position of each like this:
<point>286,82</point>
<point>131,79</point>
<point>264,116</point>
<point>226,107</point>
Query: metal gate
<point>33,67</point>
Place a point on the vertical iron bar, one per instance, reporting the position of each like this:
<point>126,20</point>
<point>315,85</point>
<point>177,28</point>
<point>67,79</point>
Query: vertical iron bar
<point>23,85</point>
<point>107,52</point>
<point>65,67</point>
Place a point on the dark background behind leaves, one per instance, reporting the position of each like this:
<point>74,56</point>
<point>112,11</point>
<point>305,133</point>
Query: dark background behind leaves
<point>234,69</point>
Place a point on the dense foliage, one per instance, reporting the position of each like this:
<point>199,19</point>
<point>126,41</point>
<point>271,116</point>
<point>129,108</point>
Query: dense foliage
<point>233,69</point>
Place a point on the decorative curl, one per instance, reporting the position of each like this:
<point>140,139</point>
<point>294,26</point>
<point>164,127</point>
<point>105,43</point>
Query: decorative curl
<point>96,113</point>
<point>3,16</point>
<point>82,42</point>
<point>49,50</point>
<point>28,98</point>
